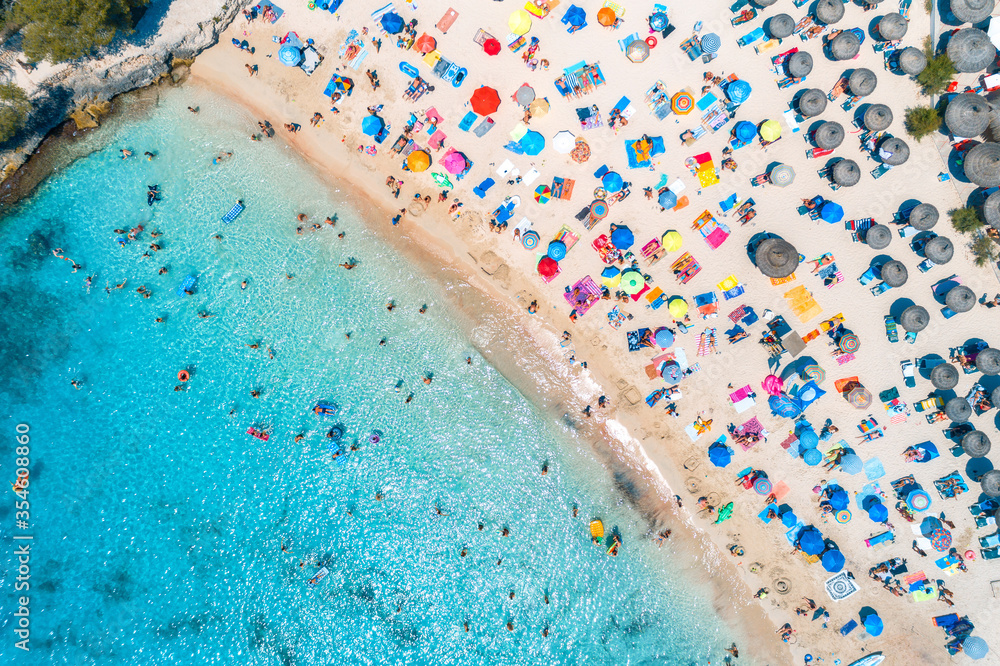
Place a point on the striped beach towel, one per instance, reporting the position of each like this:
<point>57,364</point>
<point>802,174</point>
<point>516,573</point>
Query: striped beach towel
<point>844,359</point>
<point>703,344</point>
<point>738,314</point>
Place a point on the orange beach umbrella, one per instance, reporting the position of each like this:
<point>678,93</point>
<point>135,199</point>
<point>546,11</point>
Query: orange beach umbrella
<point>606,16</point>
<point>418,161</point>
<point>425,43</point>
<point>485,101</point>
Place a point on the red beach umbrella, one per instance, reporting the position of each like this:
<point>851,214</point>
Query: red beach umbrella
<point>485,101</point>
<point>426,43</point>
<point>547,267</point>
<point>491,46</point>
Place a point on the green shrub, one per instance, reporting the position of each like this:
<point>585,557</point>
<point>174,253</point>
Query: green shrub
<point>966,220</point>
<point>14,108</point>
<point>70,29</point>
<point>984,249</point>
<point>937,74</point>
<point>921,121</point>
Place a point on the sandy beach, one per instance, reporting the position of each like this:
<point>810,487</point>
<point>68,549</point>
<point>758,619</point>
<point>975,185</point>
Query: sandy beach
<point>494,276</point>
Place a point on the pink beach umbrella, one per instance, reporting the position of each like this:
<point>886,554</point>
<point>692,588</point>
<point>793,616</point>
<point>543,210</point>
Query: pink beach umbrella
<point>772,384</point>
<point>454,163</point>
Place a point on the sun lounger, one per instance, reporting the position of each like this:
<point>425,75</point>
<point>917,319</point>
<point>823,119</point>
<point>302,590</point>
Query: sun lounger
<point>467,121</point>
<point>483,127</point>
<point>754,36</point>
<point>991,554</point>
<point>951,485</point>
<point>990,541</point>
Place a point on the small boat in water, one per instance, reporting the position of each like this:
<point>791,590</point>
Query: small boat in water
<point>873,659</point>
<point>596,531</point>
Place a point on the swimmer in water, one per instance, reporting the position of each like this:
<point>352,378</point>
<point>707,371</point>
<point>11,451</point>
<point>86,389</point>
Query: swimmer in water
<point>332,222</point>
<point>465,551</point>
<point>299,437</point>
<point>253,345</point>
<point>381,343</point>
<point>75,384</point>
<point>468,360</point>
<point>160,320</point>
<point>423,309</point>
<point>126,153</point>
<point>149,155</point>
<point>204,315</point>
<point>243,285</point>
<point>390,306</point>
<point>254,393</point>
<point>505,532</point>
<point>302,217</point>
<point>428,378</point>
<point>163,270</point>
<point>409,398</point>
<point>545,469</point>
<point>349,264</point>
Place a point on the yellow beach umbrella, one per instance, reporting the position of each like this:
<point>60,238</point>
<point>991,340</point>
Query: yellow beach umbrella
<point>418,161</point>
<point>678,307</point>
<point>519,22</point>
<point>672,241</point>
<point>770,130</point>
<point>539,107</point>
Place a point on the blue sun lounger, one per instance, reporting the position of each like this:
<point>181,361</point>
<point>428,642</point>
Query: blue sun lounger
<point>234,212</point>
<point>467,121</point>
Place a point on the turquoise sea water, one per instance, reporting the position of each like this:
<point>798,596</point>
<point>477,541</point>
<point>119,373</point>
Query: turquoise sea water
<point>158,522</point>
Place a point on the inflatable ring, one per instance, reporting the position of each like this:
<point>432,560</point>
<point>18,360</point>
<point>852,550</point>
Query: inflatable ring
<point>970,555</point>
<point>651,41</point>
<point>374,439</point>
<point>312,5</point>
<point>183,375</point>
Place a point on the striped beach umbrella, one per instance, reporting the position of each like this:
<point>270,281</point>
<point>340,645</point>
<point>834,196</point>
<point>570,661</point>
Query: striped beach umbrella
<point>543,194</point>
<point>738,91</point>
<point>918,500</point>
<point>940,539</point>
<point>599,209</point>
<point>814,372</point>
<point>682,103</point>
<point>843,516</point>
<point>849,343</point>
<point>529,239</point>
<point>762,486</point>
<point>711,43</point>
<point>860,397</point>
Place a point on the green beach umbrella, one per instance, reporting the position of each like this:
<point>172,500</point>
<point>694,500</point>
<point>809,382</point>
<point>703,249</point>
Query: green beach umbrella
<point>632,282</point>
<point>724,513</point>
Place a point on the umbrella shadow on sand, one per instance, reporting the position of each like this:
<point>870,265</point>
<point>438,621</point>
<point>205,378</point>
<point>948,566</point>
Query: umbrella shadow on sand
<point>956,170</point>
<point>976,467</point>
<point>928,362</point>
<point>796,367</point>
<point>899,305</point>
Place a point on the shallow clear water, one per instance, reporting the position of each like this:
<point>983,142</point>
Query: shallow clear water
<point>158,522</point>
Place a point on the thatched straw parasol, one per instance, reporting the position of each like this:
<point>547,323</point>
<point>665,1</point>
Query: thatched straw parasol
<point>971,11</point>
<point>914,318</point>
<point>988,361</point>
<point>812,102</point>
<point>893,151</point>
<point>892,26</point>
<point>894,273</point>
<point>990,483</point>
<point>991,210</point>
<point>799,64</point>
<point>829,11</point>
<point>971,50</point>
<point>845,46</point>
<point>982,164</point>
<point>877,117</point>
<point>995,397</point>
<point>912,60</point>
<point>968,115</point>
<point>829,135</point>
<point>976,444</point>
<point>776,258</point>
<point>862,82</point>
<point>924,216</point>
<point>764,3</point>
<point>846,173</point>
<point>939,249</point>
<point>958,410</point>
<point>878,236</point>
<point>944,376</point>
<point>781,26</point>
<point>960,298</point>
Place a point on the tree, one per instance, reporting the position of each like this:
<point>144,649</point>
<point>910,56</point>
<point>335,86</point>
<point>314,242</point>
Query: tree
<point>70,29</point>
<point>937,74</point>
<point>14,108</point>
<point>921,121</point>
<point>984,249</point>
<point>966,220</point>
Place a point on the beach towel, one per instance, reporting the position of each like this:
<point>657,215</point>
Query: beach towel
<point>587,294</point>
<point>639,338</point>
<point>447,20</point>
<point>483,127</point>
<point>616,317</point>
<point>276,11</point>
<point>730,288</point>
<point>874,469</point>
<point>707,304</point>
<point>562,188</point>
<point>437,140</point>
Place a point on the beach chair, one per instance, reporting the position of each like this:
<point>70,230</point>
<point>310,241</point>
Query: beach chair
<point>751,37</point>
<point>891,331</point>
<point>907,368</point>
<point>483,127</point>
<point>991,554</point>
<point>467,121</point>
<point>990,541</point>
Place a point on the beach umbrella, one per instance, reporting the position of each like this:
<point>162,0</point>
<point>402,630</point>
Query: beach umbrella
<point>599,209</point>
<point>829,135</point>
<point>519,22</point>
<point>547,266</point>
<point>539,108</point>
<point>808,439</point>
<point>682,103</point>
<point>862,82</point>
<point>606,16</point>
<point>839,499</point>
<point>851,463</point>
<point>575,16</point>
<point>764,3</point>
<point>612,182</point>
<point>632,282</point>
<point>622,238</point>
<point>991,210</point>
<point>849,343</point>
<point>982,164</point>
<point>770,130</point>
<point>762,486</point>
<point>776,258</point>
<point>877,117</point>
<point>529,239</point>
<point>637,51</point>
<point>745,131</point>
<point>878,513</point>
<point>843,516</point>
<point>781,26</point>
<point>812,102</point>
<point>878,236</point>
<point>860,397</point>
<point>454,163</point>
<point>677,307</point>
<point>918,500</point>
<point>811,541</point>
<point>967,115</point>
<point>542,195</point>
<point>425,43</point>
<point>664,338</point>
<point>418,160</point>
<point>971,50</point>
<point>739,91</point>
<point>672,241</point>
<point>772,384</point>
<point>532,142</point>
<point>658,21</point>
<point>873,625</point>
<point>912,60</point>
<point>893,151</point>
<point>940,539</point>
<point>971,11</point>
<point>783,406</point>
<point>525,95</point>
<point>563,142</point>
<point>975,647</point>
<point>789,519</point>
<point>831,212</point>
<point>290,56</point>
<point>894,274</point>
<point>782,175</point>
<point>392,23</point>
<point>846,173</point>
<point>960,299</point>
<point>944,376</point>
<point>724,514</point>
<point>988,361</point>
<point>491,46</point>
<point>485,101</point>
<point>610,273</point>
<point>939,249</point>
<point>720,455</point>
<point>958,410</point>
<point>995,397</point>
<point>799,64</point>
<point>914,318</point>
<point>976,444</point>
<point>580,152</point>
<point>372,125</point>
<point>845,46</point>
<point>667,199</point>
<point>814,372</point>
<point>711,43</point>
<point>990,483</point>
<point>812,457</point>
<point>829,11</point>
<point>556,250</point>
<point>833,560</point>
<point>892,26</point>
<point>924,216</point>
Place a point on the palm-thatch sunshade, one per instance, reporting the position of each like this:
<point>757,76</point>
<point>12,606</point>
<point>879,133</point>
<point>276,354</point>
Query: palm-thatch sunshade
<point>776,258</point>
<point>799,64</point>
<point>991,210</point>
<point>968,115</point>
<point>971,11</point>
<point>971,50</point>
<point>912,60</point>
<point>960,299</point>
<point>764,3</point>
<point>939,249</point>
<point>894,151</point>
<point>846,173</point>
<point>958,410</point>
<point>982,164</point>
<point>924,216</point>
<point>878,236</point>
<point>914,319</point>
<point>944,376</point>
<point>812,102</point>
<point>829,11</point>
<point>862,82</point>
<point>988,361</point>
<point>894,273</point>
<point>877,117</point>
<point>990,483</point>
<point>829,135</point>
<point>995,397</point>
<point>780,26</point>
<point>845,46</point>
<point>892,26</point>
<point>976,444</point>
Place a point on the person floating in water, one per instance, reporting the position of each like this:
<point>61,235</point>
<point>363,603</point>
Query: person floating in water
<point>152,194</point>
<point>349,264</point>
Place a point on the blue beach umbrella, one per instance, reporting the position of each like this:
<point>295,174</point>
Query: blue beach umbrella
<point>839,500</point>
<point>873,625</point>
<point>811,541</point>
<point>745,131</point>
<point>557,250</point>
<point>711,43</point>
<point>664,338</point>
<point>833,560</point>
<point>372,125</point>
<point>739,92</point>
<point>575,16</point>
<point>622,238</point>
<point>878,513</point>
<point>610,272</point>
<point>667,199</point>
<point>831,212</point>
<point>720,455</point>
<point>532,142</point>
<point>812,457</point>
<point>975,647</point>
<point>612,182</point>
<point>851,463</point>
<point>658,21</point>
<point>783,406</point>
<point>392,23</point>
<point>788,519</point>
<point>290,56</point>
<point>918,500</point>
<point>808,439</point>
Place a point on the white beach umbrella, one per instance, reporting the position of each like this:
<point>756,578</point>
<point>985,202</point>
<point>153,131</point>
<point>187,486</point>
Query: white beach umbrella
<point>563,142</point>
